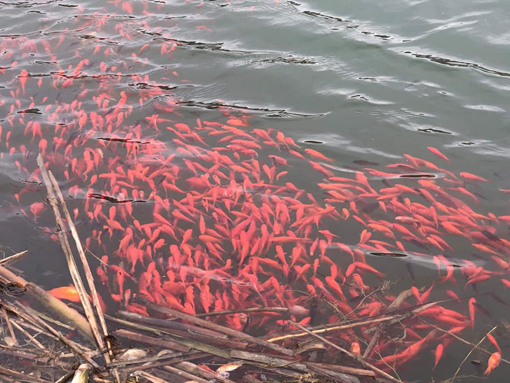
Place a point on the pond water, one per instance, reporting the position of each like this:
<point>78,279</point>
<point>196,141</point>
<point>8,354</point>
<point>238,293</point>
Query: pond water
<point>154,114</point>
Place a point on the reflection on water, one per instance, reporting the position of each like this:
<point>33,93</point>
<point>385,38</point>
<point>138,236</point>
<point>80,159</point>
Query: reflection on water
<point>225,155</point>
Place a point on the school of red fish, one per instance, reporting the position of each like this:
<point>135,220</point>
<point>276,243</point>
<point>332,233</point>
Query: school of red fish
<point>205,216</point>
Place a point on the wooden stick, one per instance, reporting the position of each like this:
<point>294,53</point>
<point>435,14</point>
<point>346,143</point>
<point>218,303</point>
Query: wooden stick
<point>88,275</point>
<point>335,375</point>
<point>166,362</point>
<point>152,378</point>
<point>9,326</point>
<point>401,298</point>
<point>221,329</point>
<point>470,352</point>
<point>150,340</point>
<point>44,360</point>
<point>268,360</point>
<point>185,374</point>
<point>21,377</point>
<point>330,328</point>
<point>172,325</point>
<point>164,355</point>
<point>65,377</point>
<point>357,358</point>
<point>195,370</point>
<point>83,258</point>
<point>13,258</point>
<point>28,335</point>
<point>75,275</point>
<point>462,340</point>
<point>343,369</point>
<point>243,311</point>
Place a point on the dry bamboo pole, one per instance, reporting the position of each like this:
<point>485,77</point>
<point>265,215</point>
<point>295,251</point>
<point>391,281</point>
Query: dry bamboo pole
<point>9,326</point>
<point>54,197</point>
<point>329,328</point>
<point>225,330</point>
<point>83,258</point>
<point>75,275</point>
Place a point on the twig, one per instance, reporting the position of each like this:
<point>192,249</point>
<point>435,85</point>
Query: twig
<point>336,376</point>
<point>177,359</point>
<point>185,374</point>
<point>343,369</point>
<point>152,378</point>
<point>21,377</point>
<point>470,352</point>
<point>355,324</point>
<point>185,331</point>
<point>248,310</point>
<point>9,326</point>
<point>28,335</point>
<point>45,360</point>
<point>221,329</point>
<point>357,358</point>
<point>194,369</point>
<point>506,361</point>
<point>150,340</point>
<point>268,360</point>
<point>160,357</point>
<point>170,325</point>
<point>13,258</point>
<point>66,377</point>
<point>401,298</point>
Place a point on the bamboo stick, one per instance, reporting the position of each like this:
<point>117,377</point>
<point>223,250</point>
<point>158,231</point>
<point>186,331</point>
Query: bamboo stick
<point>221,329</point>
<point>75,275</point>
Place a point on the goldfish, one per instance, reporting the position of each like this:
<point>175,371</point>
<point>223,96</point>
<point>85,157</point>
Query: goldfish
<point>66,292</point>
<point>493,362</point>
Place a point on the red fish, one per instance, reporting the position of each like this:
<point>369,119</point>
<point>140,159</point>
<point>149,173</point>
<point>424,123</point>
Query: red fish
<point>472,303</point>
<point>472,177</point>
<point>438,354</point>
<point>66,292</point>
<point>318,155</point>
<point>493,362</point>
<point>438,153</point>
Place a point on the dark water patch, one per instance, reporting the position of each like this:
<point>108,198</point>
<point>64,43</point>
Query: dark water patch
<point>459,64</point>
<point>268,113</point>
<point>434,131</point>
<point>314,142</point>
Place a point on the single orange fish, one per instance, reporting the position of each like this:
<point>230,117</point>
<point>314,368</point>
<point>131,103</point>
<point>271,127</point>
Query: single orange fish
<point>494,361</point>
<point>439,354</point>
<point>66,292</point>
<point>494,343</point>
<point>472,177</point>
<point>438,153</point>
